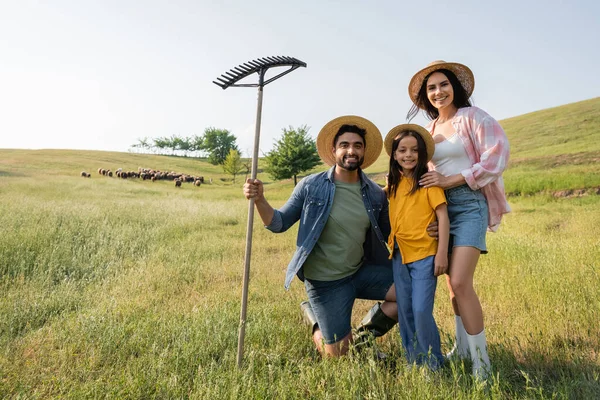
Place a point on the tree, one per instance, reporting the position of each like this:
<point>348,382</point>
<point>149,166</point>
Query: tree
<point>142,143</point>
<point>217,143</point>
<point>196,144</point>
<point>233,164</point>
<point>294,153</point>
<point>161,143</point>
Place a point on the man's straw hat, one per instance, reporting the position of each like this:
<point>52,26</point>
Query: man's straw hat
<point>397,130</point>
<point>462,72</point>
<point>373,139</point>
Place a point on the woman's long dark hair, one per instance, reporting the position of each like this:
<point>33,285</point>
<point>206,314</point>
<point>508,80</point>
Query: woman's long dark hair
<point>461,98</point>
<point>394,173</point>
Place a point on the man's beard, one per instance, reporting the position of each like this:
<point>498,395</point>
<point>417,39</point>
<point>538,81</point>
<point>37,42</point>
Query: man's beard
<point>350,166</point>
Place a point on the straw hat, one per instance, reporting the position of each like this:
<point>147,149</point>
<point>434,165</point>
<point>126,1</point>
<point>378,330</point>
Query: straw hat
<point>462,72</point>
<point>373,139</point>
<point>429,144</point>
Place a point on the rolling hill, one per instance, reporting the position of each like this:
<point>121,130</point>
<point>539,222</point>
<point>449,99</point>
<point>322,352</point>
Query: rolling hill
<point>552,150</point>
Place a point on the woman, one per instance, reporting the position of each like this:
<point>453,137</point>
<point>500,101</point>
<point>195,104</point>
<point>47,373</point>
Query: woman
<point>471,152</point>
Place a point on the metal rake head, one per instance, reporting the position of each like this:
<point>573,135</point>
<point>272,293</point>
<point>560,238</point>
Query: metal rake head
<point>259,66</point>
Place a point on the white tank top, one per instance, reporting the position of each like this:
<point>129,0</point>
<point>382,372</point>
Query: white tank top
<point>450,156</point>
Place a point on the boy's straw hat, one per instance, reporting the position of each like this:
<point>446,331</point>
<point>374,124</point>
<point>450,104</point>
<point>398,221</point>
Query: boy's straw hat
<point>373,139</point>
<point>462,72</point>
<point>429,144</point>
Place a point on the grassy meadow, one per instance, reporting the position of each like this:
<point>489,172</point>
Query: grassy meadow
<point>114,288</point>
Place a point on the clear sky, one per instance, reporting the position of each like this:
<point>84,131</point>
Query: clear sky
<point>100,75</point>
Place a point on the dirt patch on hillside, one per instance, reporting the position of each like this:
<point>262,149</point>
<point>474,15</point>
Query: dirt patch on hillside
<point>561,194</point>
<point>378,177</point>
<point>569,193</point>
<point>582,158</point>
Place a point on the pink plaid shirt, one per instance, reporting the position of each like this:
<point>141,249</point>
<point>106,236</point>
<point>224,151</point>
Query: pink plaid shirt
<point>487,146</point>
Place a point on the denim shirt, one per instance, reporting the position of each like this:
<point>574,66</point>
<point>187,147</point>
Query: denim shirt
<point>311,203</point>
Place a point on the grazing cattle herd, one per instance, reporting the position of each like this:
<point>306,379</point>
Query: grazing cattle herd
<point>150,174</point>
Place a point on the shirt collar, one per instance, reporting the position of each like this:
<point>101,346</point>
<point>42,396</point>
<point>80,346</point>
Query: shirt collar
<point>330,173</point>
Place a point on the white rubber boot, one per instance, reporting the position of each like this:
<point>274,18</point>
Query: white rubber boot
<point>481,362</point>
<point>461,345</point>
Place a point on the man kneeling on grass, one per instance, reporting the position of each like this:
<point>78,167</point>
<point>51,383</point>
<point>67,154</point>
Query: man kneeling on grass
<point>341,252</point>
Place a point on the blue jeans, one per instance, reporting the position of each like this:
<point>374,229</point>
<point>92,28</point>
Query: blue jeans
<point>415,293</point>
<point>332,301</point>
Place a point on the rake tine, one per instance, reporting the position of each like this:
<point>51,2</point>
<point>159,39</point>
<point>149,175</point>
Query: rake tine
<point>234,72</point>
<point>241,70</point>
<point>236,75</point>
<point>242,75</point>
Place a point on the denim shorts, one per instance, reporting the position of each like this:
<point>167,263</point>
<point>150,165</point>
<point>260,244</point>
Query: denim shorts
<point>468,214</point>
<point>332,301</point>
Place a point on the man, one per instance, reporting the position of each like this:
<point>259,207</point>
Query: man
<point>341,252</point>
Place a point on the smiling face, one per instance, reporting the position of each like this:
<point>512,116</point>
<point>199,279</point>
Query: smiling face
<point>407,154</point>
<point>349,151</point>
<point>439,90</point>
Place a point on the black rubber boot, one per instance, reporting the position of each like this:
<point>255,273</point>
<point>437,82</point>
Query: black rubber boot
<point>309,315</point>
<point>373,325</point>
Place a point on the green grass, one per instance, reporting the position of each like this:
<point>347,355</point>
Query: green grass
<point>115,288</point>
<point>131,289</point>
<point>568,129</point>
<point>554,149</point>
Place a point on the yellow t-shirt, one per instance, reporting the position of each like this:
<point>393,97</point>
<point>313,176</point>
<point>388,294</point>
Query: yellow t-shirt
<point>410,214</point>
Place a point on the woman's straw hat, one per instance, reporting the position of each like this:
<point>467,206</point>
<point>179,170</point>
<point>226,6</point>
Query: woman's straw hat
<point>462,72</point>
<point>397,130</point>
<point>373,139</point>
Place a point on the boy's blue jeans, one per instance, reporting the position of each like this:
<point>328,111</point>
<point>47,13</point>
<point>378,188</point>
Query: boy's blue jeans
<point>415,293</point>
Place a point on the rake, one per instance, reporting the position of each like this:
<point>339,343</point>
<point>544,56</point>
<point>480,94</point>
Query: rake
<point>230,78</point>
